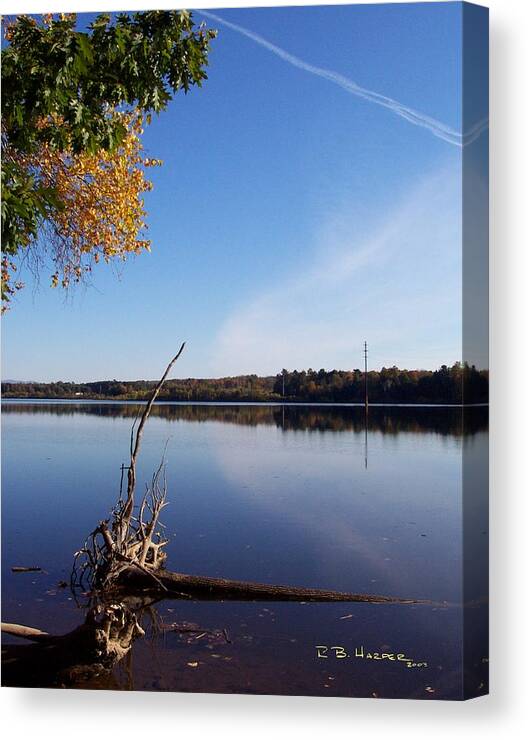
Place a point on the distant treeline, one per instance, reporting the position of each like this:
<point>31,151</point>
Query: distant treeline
<point>456,384</point>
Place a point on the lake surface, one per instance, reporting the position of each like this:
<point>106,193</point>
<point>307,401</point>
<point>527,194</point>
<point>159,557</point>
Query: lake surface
<point>293,495</point>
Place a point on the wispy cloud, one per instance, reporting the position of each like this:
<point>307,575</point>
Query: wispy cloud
<point>394,280</point>
<point>437,128</point>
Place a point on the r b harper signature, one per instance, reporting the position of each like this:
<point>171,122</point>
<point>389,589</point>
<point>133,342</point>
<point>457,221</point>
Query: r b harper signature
<point>338,652</point>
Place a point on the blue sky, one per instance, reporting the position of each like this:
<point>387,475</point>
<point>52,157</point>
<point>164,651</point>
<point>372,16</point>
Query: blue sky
<point>292,219</point>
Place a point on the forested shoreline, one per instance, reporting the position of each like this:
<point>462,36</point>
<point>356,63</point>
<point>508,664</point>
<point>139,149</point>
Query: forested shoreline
<point>456,384</point>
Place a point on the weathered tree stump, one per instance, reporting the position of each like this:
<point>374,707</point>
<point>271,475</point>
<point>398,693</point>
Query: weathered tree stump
<point>66,660</point>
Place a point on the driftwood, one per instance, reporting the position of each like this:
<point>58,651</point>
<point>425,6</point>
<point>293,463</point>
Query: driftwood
<point>65,660</point>
<point>125,555</point>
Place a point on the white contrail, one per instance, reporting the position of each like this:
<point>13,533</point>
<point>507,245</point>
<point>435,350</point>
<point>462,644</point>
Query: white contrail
<point>437,128</point>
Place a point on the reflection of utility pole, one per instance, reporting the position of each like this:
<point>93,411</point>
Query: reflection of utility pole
<point>366,439</point>
<point>282,399</point>
<point>366,407</point>
<point>366,379</point>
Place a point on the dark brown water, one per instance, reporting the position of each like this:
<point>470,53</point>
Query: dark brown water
<point>295,495</point>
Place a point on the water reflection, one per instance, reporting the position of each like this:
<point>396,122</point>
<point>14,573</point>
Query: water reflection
<point>366,437</point>
<point>298,495</point>
<point>444,420</point>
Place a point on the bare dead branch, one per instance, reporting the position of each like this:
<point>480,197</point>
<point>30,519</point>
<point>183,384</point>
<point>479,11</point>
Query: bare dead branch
<point>130,540</point>
<point>134,446</point>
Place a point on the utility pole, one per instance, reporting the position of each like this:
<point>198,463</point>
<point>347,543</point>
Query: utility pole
<point>366,378</point>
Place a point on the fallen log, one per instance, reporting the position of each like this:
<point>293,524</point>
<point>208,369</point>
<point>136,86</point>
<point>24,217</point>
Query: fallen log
<point>207,588</point>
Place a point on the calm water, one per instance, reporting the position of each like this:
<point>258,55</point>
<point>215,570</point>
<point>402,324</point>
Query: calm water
<point>295,495</point>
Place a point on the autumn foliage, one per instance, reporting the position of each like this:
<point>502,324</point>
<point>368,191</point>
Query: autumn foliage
<point>102,213</point>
